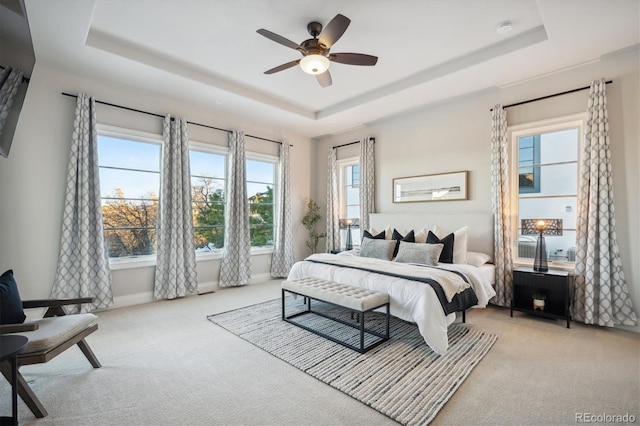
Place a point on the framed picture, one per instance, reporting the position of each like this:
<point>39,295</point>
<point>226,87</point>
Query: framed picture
<point>440,187</point>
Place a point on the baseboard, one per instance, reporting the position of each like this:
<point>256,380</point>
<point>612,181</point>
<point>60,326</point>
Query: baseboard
<point>203,288</point>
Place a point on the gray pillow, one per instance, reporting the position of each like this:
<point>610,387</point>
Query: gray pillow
<point>379,249</point>
<point>426,254</point>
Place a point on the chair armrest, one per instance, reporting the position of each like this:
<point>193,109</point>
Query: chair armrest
<point>18,328</point>
<point>46,303</point>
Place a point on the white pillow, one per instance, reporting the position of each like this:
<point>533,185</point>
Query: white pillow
<point>477,259</point>
<point>459,242</point>
<point>421,235</point>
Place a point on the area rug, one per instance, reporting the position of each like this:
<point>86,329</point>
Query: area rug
<point>402,378</point>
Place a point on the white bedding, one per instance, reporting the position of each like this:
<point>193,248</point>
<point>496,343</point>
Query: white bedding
<point>410,300</point>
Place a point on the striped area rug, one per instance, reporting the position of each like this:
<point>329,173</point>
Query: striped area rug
<point>402,378</point>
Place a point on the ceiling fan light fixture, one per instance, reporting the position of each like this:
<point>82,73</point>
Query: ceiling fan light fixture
<point>314,64</point>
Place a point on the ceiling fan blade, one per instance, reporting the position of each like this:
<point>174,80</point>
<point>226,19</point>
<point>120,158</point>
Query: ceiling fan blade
<point>324,79</point>
<point>353,59</point>
<point>334,30</point>
<point>278,39</point>
<point>282,67</point>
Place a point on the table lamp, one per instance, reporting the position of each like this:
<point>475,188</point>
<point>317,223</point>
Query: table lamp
<point>541,227</point>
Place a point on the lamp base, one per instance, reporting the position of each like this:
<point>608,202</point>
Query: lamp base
<point>540,261</point>
<point>349,245</point>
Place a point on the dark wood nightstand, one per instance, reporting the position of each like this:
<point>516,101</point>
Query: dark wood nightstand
<point>554,285</point>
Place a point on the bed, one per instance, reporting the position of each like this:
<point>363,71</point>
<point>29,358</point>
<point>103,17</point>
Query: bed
<point>410,286</point>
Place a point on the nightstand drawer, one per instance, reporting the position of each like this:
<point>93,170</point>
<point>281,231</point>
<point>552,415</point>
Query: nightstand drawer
<point>540,280</point>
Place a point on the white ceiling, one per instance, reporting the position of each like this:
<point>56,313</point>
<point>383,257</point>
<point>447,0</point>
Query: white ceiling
<point>208,51</point>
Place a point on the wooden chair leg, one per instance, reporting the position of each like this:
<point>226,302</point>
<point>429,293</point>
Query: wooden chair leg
<point>86,350</point>
<point>25,392</point>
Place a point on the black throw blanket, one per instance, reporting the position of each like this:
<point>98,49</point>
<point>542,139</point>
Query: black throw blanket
<point>460,302</point>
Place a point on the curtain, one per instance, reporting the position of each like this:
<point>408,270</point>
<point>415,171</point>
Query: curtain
<point>601,295</point>
<point>333,203</point>
<point>10,81</point>
<point>367,181</point>
<point>83,262</point>
<point>501,206</point>
<point>235,267</point>
<point>283,258</point>
<point>176,257</point>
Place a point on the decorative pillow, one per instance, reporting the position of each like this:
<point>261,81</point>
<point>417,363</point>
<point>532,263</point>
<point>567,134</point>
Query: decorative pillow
<point>410,238</point>
<point>421,236</point>
<point>460,248</point>
<point>379,249</point>
<point>477,259</point>
<point>11,311</point>
<point>426,254</point>
<point>367,234</point>
<point>447,251</point>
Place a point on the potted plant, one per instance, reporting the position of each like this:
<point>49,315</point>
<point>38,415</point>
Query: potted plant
<point>309,221</point>
<point>539,301</point>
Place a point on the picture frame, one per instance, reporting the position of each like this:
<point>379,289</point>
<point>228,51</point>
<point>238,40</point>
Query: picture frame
<point>437,187</point>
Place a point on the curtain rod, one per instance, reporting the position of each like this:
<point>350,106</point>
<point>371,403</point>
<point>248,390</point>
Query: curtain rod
<point>551,96</point>
<point>162,116</point>
<point>351,143</point>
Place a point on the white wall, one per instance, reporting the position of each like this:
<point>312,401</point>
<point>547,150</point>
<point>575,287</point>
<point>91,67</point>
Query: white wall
<point>33,178</point>
<point>455,136</point>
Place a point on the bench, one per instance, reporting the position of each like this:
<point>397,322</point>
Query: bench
<point>356,300</point>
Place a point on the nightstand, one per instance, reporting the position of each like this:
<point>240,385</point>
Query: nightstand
<point>554,285</point>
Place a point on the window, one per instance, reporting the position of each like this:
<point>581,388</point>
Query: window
<point>350,194</point>
<point>261,178</point>
<point>208,182</point>
<point>129,165</point>
<point>546,154</point>
<point>528,156</point>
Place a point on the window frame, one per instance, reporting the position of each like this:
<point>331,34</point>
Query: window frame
<point>342,164</point>
<point>126,262</point>
<point>219,150</point>
<point>275,160</point>
<point>556,124</point>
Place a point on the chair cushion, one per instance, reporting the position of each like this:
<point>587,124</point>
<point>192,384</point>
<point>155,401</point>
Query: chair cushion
<point>53,331</point>
<point>11,311</point>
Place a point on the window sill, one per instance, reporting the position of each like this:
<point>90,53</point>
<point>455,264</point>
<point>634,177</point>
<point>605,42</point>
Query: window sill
<point>147,261</point>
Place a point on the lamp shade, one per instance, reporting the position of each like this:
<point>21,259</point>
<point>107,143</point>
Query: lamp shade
<point>314,64</point>
<point>549,227</point>
<point>349,223</point>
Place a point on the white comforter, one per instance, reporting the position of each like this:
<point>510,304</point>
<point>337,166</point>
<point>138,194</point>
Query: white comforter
<point>410,300</point>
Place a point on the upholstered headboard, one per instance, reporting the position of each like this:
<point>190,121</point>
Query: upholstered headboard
<point>480,225</point>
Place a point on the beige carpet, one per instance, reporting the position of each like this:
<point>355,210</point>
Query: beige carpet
<point>402,378</point>
<point>165,364</point>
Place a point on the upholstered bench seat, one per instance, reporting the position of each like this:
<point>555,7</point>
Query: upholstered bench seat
<point>53,331</point>
<point>355,299</point>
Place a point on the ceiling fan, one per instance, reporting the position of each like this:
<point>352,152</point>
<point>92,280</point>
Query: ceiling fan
<point>315,51</point>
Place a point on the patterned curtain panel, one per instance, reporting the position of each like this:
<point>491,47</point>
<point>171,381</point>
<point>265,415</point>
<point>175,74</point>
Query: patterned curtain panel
<point>176,257</point>
<point>10,81</point>
<point>501,206</point>
<point>283,258</point>
<point>83,263</point>
<point>333,203</point>
<point>601,294</point>
<point>367,181</point>
<point>235,267</point>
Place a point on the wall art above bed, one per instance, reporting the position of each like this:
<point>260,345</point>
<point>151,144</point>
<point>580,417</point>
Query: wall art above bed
<point>438,187</point>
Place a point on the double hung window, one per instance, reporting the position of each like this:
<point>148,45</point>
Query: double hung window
<point>129,165</point>
<point>545,176</point>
